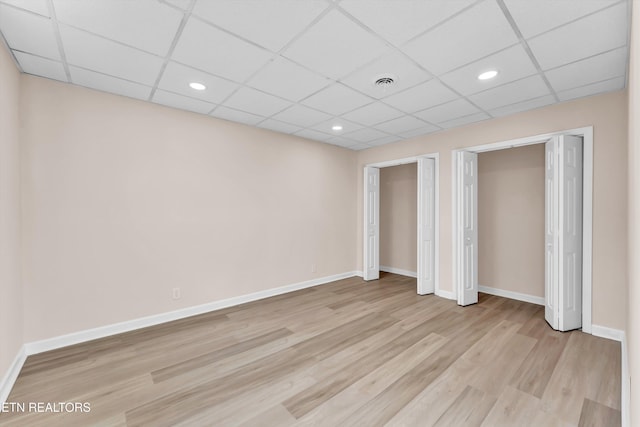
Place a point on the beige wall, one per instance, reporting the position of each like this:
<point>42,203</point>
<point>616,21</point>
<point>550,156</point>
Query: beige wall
<point>11,310</point>
<point>511,219</point>
<point>124,200</point>
<point>633,300</point>
<point>398,216</point>
<point>608,115</point>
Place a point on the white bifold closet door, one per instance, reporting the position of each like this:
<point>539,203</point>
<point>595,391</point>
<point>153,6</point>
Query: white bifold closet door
<point>372,225</point>
<point>426,225</point>
<point>563,232</point>
<point>468,224</point>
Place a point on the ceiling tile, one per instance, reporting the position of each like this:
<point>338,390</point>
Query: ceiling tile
<point>256,102</point>
<point>450,110</point>
<point>279,126</point>
<point>323,48</point>
<point>107,57</point>
<point>588,36</point>
<point>182,102</point>
<point>461,121</point>
<point>39,39</point>
<point>420,131</point>
<point>611,85</point>
<point>337,99</point>
<point>288,80</point>
<point>535,17</point>
<point>176,78</point>
<point>341,141</point>
<point>182,4</point>
<point>214,51</point>
<point>359,146</point>
<point>403,70</point>
<point>313,134</point>
<point>110,84</point>
<point>373,114</point>
<point>401,124</point>
<point>143,24</point>
<point>41,66</point>
<point>422,96</point>
<point>366,135</point>
<point>512,64</point>
<point>384,141</point>
<point>223,112</point>
<point>523,106</point>
<point>269,23</point>
<point>402,20</point>
<point>591,70</point>
<point>522,90</point>
<point>301,116</point>
<point>347,126</point>
<point>36,6</point>
<point>477,32</point>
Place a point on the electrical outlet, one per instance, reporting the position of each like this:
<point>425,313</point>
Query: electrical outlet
<point>313,268</point>
<point>176,293</point>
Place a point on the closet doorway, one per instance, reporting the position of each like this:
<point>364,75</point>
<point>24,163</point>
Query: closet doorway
<point>427,230</point>
<point>568,224</point>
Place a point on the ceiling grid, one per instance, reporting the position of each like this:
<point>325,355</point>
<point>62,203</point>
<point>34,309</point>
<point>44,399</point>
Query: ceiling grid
<point>303,66</point>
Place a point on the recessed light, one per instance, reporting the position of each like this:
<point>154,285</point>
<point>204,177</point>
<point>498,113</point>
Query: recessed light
<point>197,86</point>
<point>336,128</point>
<point>488,75</point>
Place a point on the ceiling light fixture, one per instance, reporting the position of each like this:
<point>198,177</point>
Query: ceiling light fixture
<point>197,86</point>
<point>488,75</point>
<point>336,128</point>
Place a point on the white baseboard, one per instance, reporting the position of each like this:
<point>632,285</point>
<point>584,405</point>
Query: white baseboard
<point>131,325</point>
<point>358,273</point>
<point>445,294</point>
<point>6,383</point>
<point>625,395</point>
<point>398,271</point>
<point>512,295</point>
<point>606,332</point>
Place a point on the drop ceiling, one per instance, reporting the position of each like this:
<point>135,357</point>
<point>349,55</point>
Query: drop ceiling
<point>302,66</point>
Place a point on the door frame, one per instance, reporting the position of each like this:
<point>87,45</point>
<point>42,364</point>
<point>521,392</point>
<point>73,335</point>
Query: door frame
<point>587,209</point>
<point>404,161</point>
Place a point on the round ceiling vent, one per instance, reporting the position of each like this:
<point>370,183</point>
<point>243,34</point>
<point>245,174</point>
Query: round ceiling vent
<point>384,81</point>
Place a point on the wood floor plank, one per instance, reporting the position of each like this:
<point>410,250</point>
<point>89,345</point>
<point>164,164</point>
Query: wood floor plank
<point>334,410</point>
<point>513,408</point>
<point>275,416</point>
<point>469,409</point>
<point>348,353</point>
<point>427,407</point>
<point>595,414</point>
<point>578,374</point>
<point>214,356</point>
<point>535,372</point>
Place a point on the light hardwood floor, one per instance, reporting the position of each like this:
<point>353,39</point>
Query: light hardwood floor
<point>348,353</point>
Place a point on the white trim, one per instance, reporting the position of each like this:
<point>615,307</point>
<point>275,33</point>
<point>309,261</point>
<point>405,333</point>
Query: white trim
<point>398,271</point>
<point>625,394</point>
<point>587,220</point>
<point>445,294</point>
<point>398,162</point>
<point>512,295</point>
<point>454,223</point>
<point>9,379</point>
<point>130,325</point>
<point>358,273</point>
<point>587,229</point>
<point>606,332</point>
